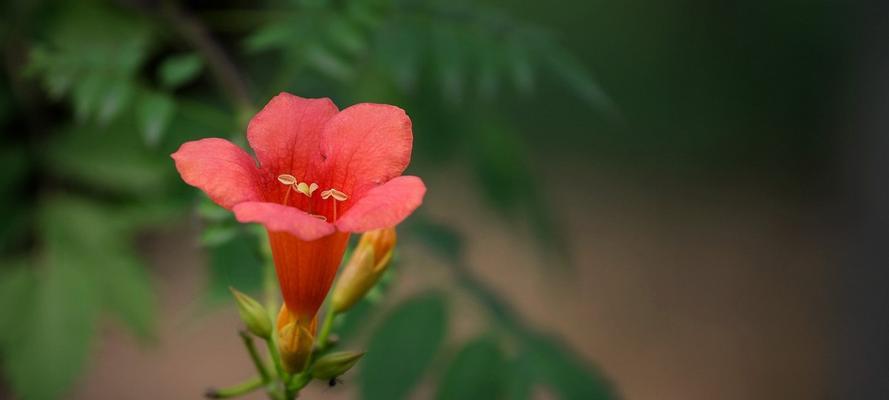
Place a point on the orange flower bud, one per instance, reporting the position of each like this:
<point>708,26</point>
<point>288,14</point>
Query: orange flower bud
<point>367,264</point>
<point>296,336</point>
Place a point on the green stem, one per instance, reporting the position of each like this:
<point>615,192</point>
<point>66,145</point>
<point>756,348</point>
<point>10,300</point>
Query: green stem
<point>276,359</point>
<point>236,390</point>
<point>299,381</point>
<point>289,392</point>
<point>270,291</point>
<point>220,66</point>
<point>270,288</point>
<point>254,355</point>
<point>325,329</point>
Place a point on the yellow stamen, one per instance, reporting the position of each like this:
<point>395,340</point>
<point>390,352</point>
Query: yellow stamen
<point>306,189</point>
<point>286,179</point>
<point>336,194</point>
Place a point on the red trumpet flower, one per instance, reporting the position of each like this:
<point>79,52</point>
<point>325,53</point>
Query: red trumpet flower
<point>323,174</point>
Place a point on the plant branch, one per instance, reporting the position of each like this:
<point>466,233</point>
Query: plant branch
<point>221,67</point>
<point>270,287</point>
<point>325,330</point>
<point>276,359</point>
<point>254,355</point>
<point>236,390</point>
<point>299,381</point>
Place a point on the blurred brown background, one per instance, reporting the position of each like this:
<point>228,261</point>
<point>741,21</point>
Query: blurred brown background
<point>691,194</point>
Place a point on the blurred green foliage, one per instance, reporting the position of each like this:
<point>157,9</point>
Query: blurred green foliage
<point>535,358</point>
<point>476,372</point>
<point>85,264</point>
<point>403,347</point>
<point>706,89</point>
<point>95,95</point>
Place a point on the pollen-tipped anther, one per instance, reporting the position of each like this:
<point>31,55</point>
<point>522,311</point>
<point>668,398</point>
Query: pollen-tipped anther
<point>336,194</point>
<point>306,189</point>
<point>287,179</point>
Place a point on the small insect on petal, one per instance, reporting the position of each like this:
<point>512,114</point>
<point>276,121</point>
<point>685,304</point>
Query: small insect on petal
<point>286,179</point>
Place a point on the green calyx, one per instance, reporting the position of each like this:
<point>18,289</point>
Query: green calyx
<point>253,314</point>
<point>332,365</point>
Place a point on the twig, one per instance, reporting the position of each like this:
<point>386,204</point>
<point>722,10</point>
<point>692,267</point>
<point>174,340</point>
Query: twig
<point>276,358</point>
<point>325,329</point>
<point>236,390</point>
<point>221,67</point>
<point>254,355</point>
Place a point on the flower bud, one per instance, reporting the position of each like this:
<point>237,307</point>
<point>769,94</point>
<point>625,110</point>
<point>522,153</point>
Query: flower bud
<point>367,264</point>
<point>253,314</point>
<point>333,365</point>
<point>296,336</point>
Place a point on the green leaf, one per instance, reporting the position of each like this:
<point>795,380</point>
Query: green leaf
<point>403,347</point>
<point>17,283</point>
<point>219,234</point>
<point>179,69</point>
<point>155,113</point>
<point>46,360</point>
<point>348,326</point>
<point>329,63</point>
<point>15,218</point>
<point>87,92</point>
<point>489,57</point>
<point>399,50</point>
<point>107,159</point>
<point>568,68</point>
<point>522,66</point>
<point>116,97</point>
<point>136,216</point>
<point>500,163</point>
<point>213,212</point>
<point>345,36</point>
<point>102,254</point>
<point>564,371</point>
<point>449,62</point>
<point>366,14</point>
<point>234,263</point>
<point>14,166</point>
<point>270,36</point>
<point>475,373</point>
<point>520,378</point>
<point>446,242</point>
<point>127,292</point>
<point>92,53</point>
<point>15,204</point>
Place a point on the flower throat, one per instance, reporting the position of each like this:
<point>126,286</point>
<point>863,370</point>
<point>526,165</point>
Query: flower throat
<point>309,189</point>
